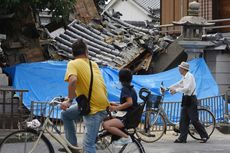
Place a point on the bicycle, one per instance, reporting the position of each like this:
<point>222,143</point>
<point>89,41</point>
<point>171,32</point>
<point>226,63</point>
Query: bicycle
<point>155,120</point>
<point>34,140</point>
<point>105,139</point>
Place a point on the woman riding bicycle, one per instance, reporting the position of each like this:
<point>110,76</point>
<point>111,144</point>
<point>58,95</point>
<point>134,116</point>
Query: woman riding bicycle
<point>128,101</point>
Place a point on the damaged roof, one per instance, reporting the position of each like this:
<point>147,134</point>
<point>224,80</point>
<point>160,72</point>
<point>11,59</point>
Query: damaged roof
<point>111,41</point>
<point>221,43</point>
<point>147,4</point>
<point>150,5</point>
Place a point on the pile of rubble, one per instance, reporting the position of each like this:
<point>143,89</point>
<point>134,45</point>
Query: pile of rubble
<point>114,42</point>
<point>2,56</point>
<point>220,41</point>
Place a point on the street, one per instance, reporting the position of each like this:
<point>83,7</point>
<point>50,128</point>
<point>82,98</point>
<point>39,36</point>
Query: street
<point>218,143</point>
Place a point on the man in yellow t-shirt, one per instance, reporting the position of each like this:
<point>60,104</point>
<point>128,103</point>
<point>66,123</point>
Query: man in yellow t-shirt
<point>78,76</point>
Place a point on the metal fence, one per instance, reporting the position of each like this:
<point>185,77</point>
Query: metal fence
<point>215,104</point>
<point>39,110</point>
<point>11,107</point>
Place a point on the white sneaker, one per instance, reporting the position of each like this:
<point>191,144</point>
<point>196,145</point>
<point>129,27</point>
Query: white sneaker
<point>122,141</point>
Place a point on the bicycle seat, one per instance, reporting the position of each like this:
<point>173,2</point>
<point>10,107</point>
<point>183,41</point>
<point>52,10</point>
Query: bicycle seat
<point>144,93</point>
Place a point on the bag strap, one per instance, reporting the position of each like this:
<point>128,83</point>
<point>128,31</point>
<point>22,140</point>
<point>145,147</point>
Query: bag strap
<point>193,92</point>
<point>91,81</point>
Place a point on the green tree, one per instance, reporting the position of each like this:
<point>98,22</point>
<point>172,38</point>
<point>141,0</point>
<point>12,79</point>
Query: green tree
<point>58,7</point>
<point>17,22</point>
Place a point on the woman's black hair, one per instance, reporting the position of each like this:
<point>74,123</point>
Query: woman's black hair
<point>79,48</point>
<point>125,75</point>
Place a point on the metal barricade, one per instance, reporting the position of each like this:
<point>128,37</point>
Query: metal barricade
<point>227,114</point>
<point>214,104</point>
<point>39,110</point>
<point>11,108</point>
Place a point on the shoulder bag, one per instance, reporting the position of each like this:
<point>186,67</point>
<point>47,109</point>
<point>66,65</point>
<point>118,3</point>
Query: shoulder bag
<point>82,100</point>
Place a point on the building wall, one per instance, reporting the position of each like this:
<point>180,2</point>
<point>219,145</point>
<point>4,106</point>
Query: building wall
<point>130,11</point>
<point>85,10</point>
<point>218,63</point>
<point>222,11</point>
<point>172,10</point>
<point>206,9</point>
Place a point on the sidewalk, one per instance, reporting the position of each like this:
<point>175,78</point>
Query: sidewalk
<point>218,143</point>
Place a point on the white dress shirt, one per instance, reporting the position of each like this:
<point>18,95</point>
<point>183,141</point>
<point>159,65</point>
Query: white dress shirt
<point>186,85</point>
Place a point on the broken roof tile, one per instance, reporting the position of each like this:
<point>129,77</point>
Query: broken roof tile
<point>114,43</point>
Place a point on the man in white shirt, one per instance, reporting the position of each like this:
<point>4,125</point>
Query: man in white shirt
<point>187,86</point>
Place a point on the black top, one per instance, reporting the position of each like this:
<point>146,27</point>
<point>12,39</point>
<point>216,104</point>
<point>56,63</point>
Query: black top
<point>126,92</point>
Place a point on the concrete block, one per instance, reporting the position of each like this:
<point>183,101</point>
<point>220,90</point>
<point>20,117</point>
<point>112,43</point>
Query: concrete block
<point>4,80</point>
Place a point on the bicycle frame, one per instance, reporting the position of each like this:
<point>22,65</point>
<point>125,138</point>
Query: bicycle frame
<point>162,111</point>
<point>59,138</point>
<point>156,117</point>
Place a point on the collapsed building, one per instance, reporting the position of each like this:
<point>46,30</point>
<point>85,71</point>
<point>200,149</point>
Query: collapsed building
<point>110,41</point>
<point>114,43</point>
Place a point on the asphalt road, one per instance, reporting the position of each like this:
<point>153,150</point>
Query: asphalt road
<point>218,143</point>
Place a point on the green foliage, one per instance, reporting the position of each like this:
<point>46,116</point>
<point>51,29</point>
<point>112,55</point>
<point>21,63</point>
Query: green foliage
<point>58,7</point>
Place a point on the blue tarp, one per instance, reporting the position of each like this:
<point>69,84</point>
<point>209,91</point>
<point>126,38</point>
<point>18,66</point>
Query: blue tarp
<point>44,80</point>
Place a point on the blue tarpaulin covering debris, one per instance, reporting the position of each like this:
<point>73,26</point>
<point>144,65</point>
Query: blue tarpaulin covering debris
<point>44,80</point>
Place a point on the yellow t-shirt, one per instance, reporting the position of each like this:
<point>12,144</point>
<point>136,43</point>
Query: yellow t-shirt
<point>81,68</point>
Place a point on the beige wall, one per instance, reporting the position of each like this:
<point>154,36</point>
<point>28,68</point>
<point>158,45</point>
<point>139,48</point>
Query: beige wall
<point>130,11</point>
<point>224,12</point>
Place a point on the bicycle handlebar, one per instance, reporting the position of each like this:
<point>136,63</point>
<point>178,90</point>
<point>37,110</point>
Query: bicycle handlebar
<point>56,100</point>
<point>109,112</point>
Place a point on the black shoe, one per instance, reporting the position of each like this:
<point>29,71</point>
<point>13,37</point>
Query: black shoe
<point>180,141</point>
<point>146,134</point>
<point>152,135</point>
<point>203,140</point>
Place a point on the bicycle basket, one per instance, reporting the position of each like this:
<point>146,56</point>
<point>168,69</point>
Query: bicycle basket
<point>153,101</point>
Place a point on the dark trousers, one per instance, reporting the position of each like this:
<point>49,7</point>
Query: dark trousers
<point>189,113</point>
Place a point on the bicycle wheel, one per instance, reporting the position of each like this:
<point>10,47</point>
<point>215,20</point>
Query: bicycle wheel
<point>22,141</point>
<point>105,145</point>
<point>152,126</point>
<point>207,119</point>
<point>134,147</point>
